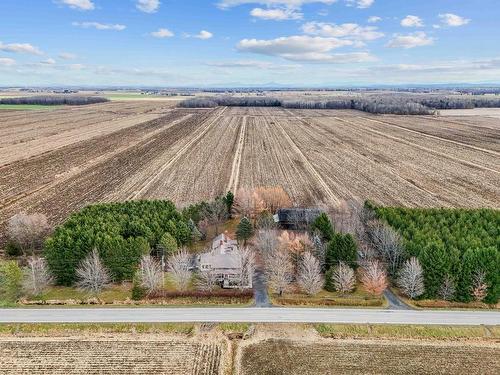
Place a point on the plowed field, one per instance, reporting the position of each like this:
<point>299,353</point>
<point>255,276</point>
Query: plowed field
<point>56,162</point>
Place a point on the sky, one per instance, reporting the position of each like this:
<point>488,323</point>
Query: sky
<point>198,43</point>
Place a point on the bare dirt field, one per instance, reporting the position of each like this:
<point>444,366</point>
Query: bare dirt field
<point>283,356</point>
<point>56,162</point>
<point>117,354</point>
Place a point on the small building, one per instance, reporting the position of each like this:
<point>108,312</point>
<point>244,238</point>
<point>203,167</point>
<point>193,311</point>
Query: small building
<point>224,260</point>
<point>296,218</point>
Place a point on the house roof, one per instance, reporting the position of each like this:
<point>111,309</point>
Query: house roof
<point>221,261</point>
<point>298,214</point>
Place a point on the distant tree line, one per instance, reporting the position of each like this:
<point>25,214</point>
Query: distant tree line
<point>55,100</point>
<point>399,104</point>
<point>458,250</point>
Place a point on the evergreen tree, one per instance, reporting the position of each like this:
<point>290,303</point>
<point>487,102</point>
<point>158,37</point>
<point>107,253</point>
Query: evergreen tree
<point>229,200</point>
<point>244,230</point>
<point>329,286</point>
<point>168,244</point>
<point>323,224</point>
<point>342,248</point>
<point>436,265</point>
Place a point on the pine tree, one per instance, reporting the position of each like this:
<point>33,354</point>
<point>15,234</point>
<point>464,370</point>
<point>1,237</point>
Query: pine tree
<point>323,224</point>
<point>342,248</point>
<point>436,265</point>
<point>229,200</point>
<point>244,230</point>
<point>168,244</point>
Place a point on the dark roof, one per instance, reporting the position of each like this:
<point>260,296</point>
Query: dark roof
<point>286,215</point>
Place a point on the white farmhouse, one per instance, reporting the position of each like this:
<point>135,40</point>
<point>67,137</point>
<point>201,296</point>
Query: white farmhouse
<point>224,259</point>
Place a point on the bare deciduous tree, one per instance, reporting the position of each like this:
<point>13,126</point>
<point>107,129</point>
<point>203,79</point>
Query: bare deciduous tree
<point>279,270</point>
<point>216,213</point>
<point>374,277</point>
<point>411,278</point>
<point>309,275</point>
<point>479,288</point>
<point>207,280</point>
<point>343,278</point>
<point>178,266</point>
<point>36,276</point>
<point>447,289</point>
<point>247,203</point>
<point>91,274</point>
<point>266,241</point>
<point>150,274</point>
<point>273,198</point>
<point>247,261</point>
<point>388,244</point>
<point>319,250</point>
<point>28,231</point>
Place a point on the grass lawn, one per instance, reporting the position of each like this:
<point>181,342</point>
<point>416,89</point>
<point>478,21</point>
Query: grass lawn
<point>120,295</point>
<point>441,332</point>
<point>48,329</point>
<point>441,304</point>
<point>28,107</point>
<point>359,298</point>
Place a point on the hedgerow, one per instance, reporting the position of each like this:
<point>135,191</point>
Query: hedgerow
<point>455,242</point>
<point>121,232</point>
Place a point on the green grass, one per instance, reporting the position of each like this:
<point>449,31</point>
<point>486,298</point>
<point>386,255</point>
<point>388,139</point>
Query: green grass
<point>359,298</point>
<point>28,107</point>
<point>439,332</point>
<point>115,293</point>
<point>240,328</point>
<point>71,328</point>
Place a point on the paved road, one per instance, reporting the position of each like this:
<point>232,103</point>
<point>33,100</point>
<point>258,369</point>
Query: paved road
<point>256,314</point>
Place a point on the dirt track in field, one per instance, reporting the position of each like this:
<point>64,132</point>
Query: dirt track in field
<point>56,162</point>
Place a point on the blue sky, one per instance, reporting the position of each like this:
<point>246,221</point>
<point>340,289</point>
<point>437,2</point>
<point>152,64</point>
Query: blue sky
<point>245,42</point>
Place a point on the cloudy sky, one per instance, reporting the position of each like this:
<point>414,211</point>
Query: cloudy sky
<point>248,42</point>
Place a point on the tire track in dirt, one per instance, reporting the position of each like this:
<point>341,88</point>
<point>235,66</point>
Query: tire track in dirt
<point>433,136</point>
<point>309,167</point>
<point>426,149</point>
<point>235,170</point>
<point>172,160</point>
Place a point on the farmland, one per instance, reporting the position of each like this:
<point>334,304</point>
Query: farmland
<point>280,356</point>
<point>55,162</point>
<point>152,354</point>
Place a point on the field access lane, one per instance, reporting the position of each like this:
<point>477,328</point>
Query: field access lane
<point>252,315</point>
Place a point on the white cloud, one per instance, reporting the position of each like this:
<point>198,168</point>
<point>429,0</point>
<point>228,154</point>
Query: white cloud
<point>453,20</point>
<point>304,48</point>
<point>67,56</point>
<point>418,39</point>
<point>276,14</point>
<point>374,19</point>
<point>100,26</point>
<point>203,35</point>
<point>251,64</point>
<point>148,6</point>
<point>162,33</point>
<point>412,21</point>
<point>5,61</point>
<point>48,61</point>
<point>20,48</point>
<point>79,4</point>
<point>351,30</point>
<point>362,4</point>
<point>295,4</point>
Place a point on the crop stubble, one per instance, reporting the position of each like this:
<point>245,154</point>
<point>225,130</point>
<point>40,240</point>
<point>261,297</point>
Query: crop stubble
<point>108,152</point>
